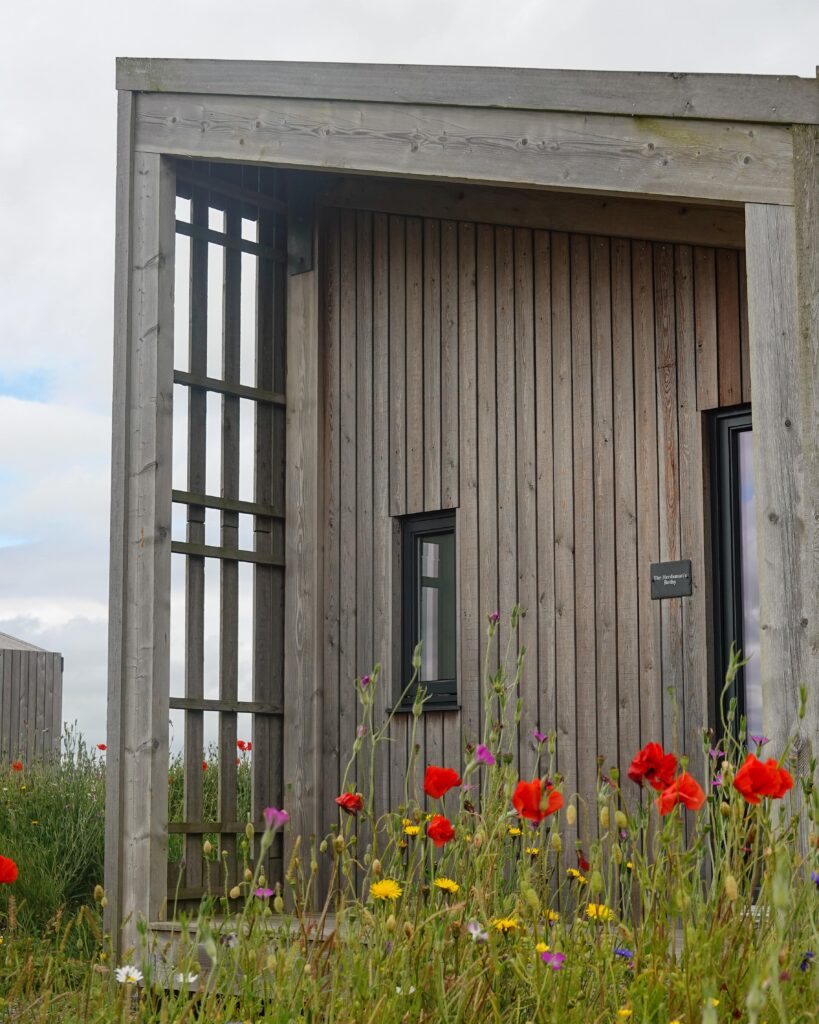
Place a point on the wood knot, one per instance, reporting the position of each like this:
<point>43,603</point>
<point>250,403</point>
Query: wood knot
<point>773,517</point>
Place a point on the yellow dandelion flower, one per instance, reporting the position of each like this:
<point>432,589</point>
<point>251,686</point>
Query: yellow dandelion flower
<point>447,885</point>
<point>599,912</point>
<point>575,874</point>
<point>675,1021</point>
<point>533,851</point>
<point>541,947</point>
<point>714,1002</point>
<point>386,889</point>
<point>412,830</point>
<point>402,844</point>
<point>629,865</point>
<point>624,1012</point>
<point>504,924</point>
<point>551,916</point>
<point>513,830</point>
<point>407,821</point>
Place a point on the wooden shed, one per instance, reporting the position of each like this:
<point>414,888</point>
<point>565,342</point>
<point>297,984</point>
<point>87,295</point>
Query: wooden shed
<point>513,334</point>
<point>31,700</point>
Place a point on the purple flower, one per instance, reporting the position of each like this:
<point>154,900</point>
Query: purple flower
<point>494,618</point>
<point>627,954</point>
<point>263,892</point>
<point>477,933</point>
<point>814,877</point>
<point>541,737</point>
<point>553,960</point>
<point>717,779</point>
<point>807,959</point>
<point>760,740</point>
<point>716,754</point>
<point>275,818</point>
<point>484,755</point>
<point>365,681</point>
<point>361,732</point>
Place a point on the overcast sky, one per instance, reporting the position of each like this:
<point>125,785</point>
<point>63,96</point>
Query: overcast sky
<point>57,143</point>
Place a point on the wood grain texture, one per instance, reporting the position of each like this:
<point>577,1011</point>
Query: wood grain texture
<point>415,365</point>
<point>728,329</point>
<point>449,365</point>
<point>706,327</point>
<point>631,217</point>
<point>431,358</point>
<point>775,98</point>
<point>30,703</point>
<point>608,153</point>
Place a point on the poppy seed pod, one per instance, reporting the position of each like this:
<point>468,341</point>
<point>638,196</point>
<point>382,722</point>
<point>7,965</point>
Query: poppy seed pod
<point>571,814</point>
<point>556,842</point>
<point>278,904</point>
<point>604,817</point>
<point>617,855</point>
<point>620,820</point>
<point>235,892</point>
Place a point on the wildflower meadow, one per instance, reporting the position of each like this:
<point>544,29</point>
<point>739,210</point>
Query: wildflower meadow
<point>693,898</point>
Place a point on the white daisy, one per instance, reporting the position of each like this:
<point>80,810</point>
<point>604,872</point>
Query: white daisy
<point>186,979</point>
<point>128,975</point>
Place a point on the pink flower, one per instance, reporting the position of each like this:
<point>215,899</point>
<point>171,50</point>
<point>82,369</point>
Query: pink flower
<point>484,755</point>
<point>553,960</point>
<point>263,892</point>
<point>275,818</point>
<point>540,737</point>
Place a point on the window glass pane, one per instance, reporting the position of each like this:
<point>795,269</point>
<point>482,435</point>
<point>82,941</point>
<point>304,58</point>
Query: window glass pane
<point>435,601</point>
<point>750,585</point>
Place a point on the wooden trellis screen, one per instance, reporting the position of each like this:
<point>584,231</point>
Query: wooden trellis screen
<point>242,194</point>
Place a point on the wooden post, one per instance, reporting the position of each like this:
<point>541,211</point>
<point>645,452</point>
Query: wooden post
<point>781,251</point>
<point>138,671</point>
<point>303,603</point>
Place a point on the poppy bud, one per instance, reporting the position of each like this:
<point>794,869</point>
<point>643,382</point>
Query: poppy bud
<point>367,918</point>
<point>477,840</point>
<point>99,892</point>
<point>731,890</point>
<point>262,881</point>
<point>278,904</point>
<point>235,892</point>
<point>104,902</point>
<point>248,875</point>
<point>556,842</point>
<point>409,931</point>
<point>338,844</point>
<point>249,830</point>
<point>596,882</point>
<point>530,896</point>
<point>620,820</point>
<point>390,923</point>
<point>604,817</point>
<point>725,809</point>
<point>571,814</point>
<point>207,848</point>
<point>323,846</point>
<point>617,855</point>
<point>376,867</point>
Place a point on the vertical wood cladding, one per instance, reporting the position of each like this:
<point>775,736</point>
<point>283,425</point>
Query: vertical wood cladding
<point>550,387</point>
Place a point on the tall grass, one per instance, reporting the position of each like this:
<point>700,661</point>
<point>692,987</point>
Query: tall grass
<point>709,915</point>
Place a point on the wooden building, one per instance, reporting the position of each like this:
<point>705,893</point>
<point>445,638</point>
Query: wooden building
<point>31,701</point>
<point>509,327</point>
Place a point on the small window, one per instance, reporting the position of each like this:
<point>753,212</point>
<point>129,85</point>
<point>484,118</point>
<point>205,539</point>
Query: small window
<point>429,605</point>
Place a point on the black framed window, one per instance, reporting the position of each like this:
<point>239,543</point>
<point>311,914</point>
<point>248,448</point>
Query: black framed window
<point>736,576</point>
<point>428,607</point>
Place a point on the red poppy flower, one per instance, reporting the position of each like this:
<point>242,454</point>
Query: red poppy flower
<point>528,800</point>
<point>352,803</point>
<point>653,766</point>
<point>238,760</point>
<point>755,780</point>
<point>17,765</point>
<point>582,863</point>
<point>438,781</point>
<point>244,745</point>
<point>684,790</point>
<point>102,746</point>
<point>8,871</point>
<point>440,831</point>
<point>204,766</point>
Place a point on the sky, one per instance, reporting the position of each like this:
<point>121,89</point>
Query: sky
<point>57,174</point>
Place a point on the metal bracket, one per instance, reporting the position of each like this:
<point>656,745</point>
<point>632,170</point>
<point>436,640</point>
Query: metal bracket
<point>301,195</point>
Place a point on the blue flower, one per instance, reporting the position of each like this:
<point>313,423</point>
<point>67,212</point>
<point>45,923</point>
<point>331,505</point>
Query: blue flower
<point>623,952</point>
<point>807,959</point>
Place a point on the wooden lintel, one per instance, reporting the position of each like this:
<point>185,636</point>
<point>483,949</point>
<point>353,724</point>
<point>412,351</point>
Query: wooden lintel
<point>781,99</point>
<point>721,226</point>
<point>613,154</point>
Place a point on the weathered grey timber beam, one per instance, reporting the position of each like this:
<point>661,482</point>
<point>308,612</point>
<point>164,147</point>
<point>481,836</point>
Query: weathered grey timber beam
<point>139,629</point>
<point>698,160</point>
<point>721,226</point>
<point>303,594</point>
<point>784,349</point>
<point>781,99</point>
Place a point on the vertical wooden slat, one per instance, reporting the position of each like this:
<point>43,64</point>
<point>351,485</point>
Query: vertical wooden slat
<point>16,659</point>
<point>349,564</point>
<point>331,333</point>
<point>470,617</point>
<point>56,705</point>
<point>625,509</point>
<point>506,439</point>
<point>584,539</point>
<point>744,340</point>
<point>415,365</point>
<point>431,255</point>
<point>565,664</point>
<point>526,471</point>
<point>382,525</point>
<point>705,304</point>
<point>696,609</point>
<point>604,503</point>
<point>137,783</point>
<point>669,485</point>
<point>648,541</point>
<point>5,706</point>
<point>194,566</point>
<point>31,707</point>
<point>449,364</point>
<point>487,430</point>
<point>545,667</point>
<point>40,720</point>
<point>728,328</point>
<point>229,536</point>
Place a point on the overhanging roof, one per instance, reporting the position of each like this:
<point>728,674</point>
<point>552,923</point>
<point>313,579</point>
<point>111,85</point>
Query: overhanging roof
<point>775,99</point>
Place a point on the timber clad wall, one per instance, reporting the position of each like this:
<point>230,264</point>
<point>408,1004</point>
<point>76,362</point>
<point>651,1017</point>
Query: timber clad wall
<point>550,387</point>
<point>31,701</point>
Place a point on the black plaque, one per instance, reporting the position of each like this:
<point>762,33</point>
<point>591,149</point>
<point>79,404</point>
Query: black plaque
<point>670,579</point>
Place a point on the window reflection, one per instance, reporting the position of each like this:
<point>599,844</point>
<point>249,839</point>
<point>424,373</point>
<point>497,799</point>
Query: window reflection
<point>750,584</point>
<point>436,605</point>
